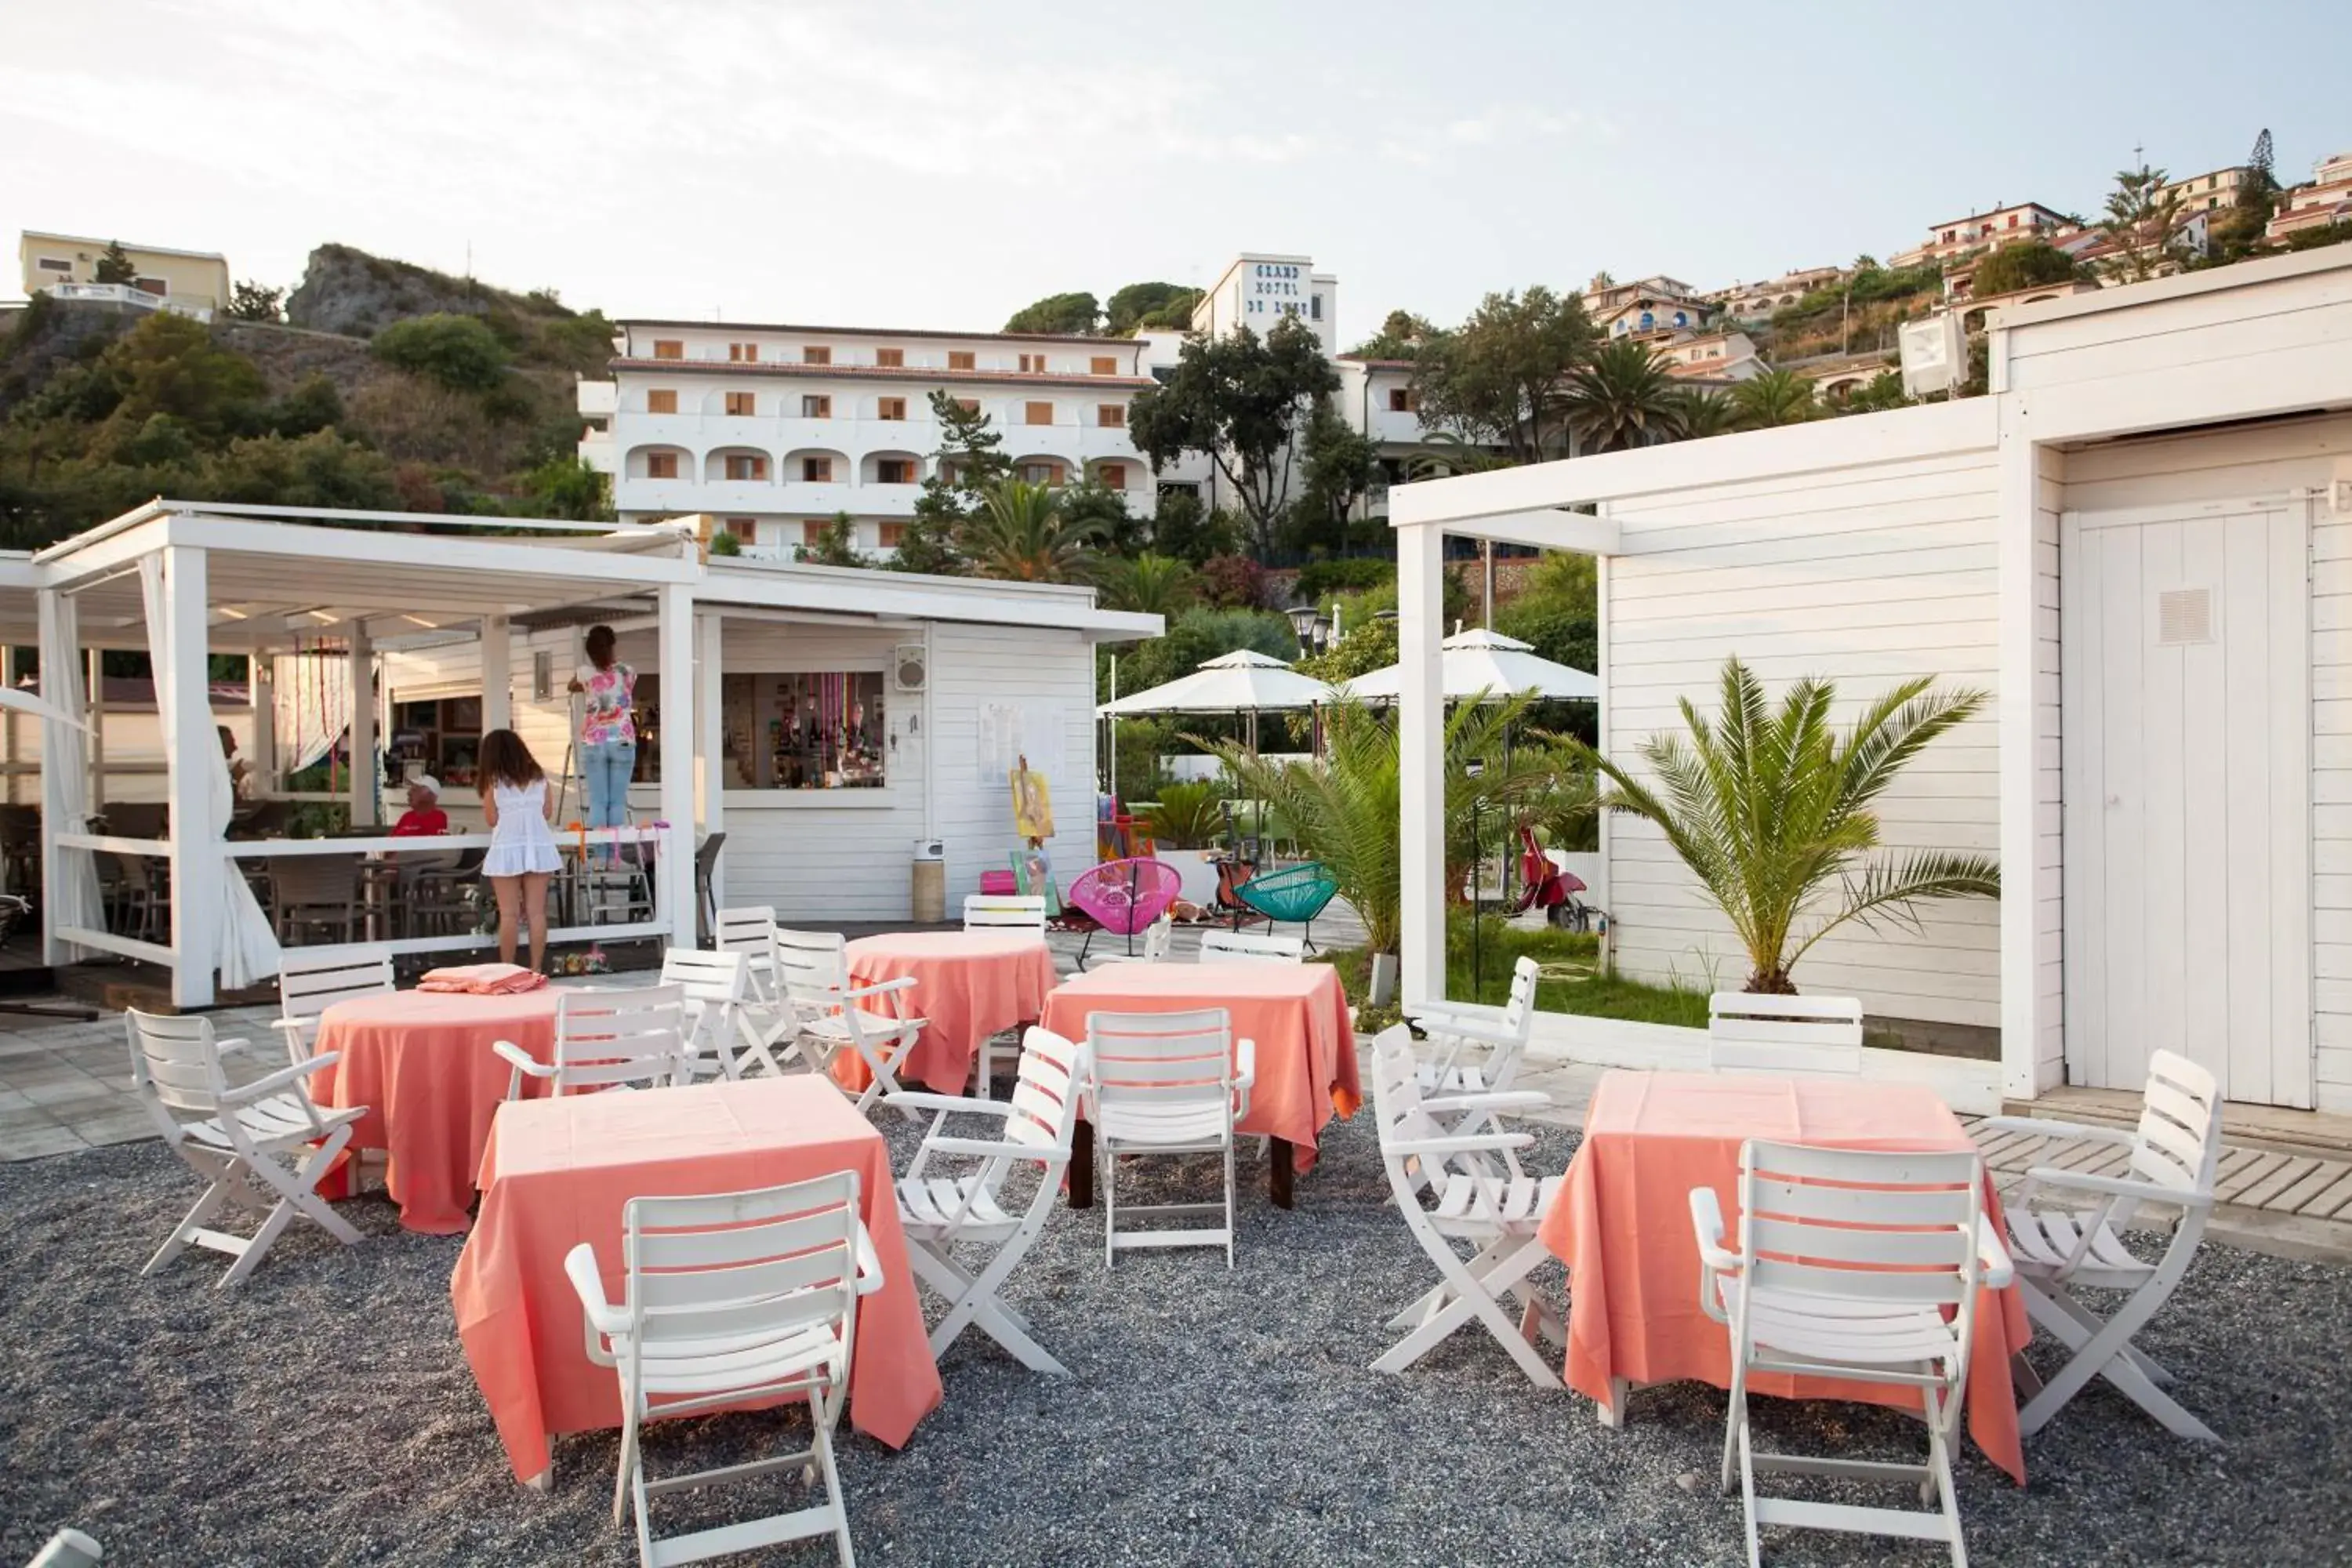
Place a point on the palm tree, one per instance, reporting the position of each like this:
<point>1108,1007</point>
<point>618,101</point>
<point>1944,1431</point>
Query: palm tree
<point>1150,584</point>
<point>1775,397</point>
<point>1707,412</point>
<point>1443,454</point>
<point>1020,534</point>
<point>1771,811</point>
<point>1623,398</point>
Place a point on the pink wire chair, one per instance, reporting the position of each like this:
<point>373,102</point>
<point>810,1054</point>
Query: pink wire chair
<point>1123,896</point>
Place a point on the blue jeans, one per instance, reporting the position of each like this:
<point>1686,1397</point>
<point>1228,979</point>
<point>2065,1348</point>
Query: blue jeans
<point>607,765</point>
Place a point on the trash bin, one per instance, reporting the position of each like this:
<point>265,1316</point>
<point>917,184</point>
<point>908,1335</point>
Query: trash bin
<point>930,899</point>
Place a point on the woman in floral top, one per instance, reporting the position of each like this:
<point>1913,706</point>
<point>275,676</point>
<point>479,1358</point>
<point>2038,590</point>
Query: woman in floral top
<point>608,731</point>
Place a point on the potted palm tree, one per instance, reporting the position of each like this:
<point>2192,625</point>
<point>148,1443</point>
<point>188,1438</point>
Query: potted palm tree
<point>1772,811</point>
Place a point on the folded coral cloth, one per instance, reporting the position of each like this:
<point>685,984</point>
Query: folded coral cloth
<point>483,979</point>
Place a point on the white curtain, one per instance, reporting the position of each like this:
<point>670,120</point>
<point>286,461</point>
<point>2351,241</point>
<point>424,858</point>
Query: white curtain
<point>65,772</point>
<point>312,696</point>
<point>244,947</point>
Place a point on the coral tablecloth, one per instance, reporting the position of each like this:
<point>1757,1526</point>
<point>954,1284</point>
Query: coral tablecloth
<point>969,984</point>
<point>421,1062</point>
<point>1622,1223</point>
<point>1297,1014</point>
<point>558,1172</point>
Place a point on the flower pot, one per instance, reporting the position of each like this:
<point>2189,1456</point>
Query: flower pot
<point>1384,979</point>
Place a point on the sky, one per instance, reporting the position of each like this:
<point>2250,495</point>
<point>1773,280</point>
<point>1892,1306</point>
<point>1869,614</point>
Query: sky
<point>934,166</point>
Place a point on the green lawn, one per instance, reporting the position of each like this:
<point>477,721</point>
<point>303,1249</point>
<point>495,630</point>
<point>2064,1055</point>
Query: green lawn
<point>1499,947</point>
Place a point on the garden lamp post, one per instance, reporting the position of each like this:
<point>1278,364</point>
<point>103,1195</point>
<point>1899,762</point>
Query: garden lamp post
<point>1477,975</point>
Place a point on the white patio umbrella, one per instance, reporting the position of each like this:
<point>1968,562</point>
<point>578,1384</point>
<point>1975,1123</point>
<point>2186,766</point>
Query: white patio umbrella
<point>1239,682</point>
<point>1480,660</point>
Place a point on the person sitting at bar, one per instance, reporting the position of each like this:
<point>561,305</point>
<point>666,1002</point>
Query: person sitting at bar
<point>424,818</point>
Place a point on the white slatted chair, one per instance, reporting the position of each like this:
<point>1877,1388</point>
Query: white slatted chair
<point>1167,1083</point>
<point>1470,1051</point>
<point>1264,947</point>
<point>938,1212</point>
<point>827,1015</point>
<point>718,1008</point>
<point>609,1037</point>
<point>1007,912</point>
<point>728,1298</point>
<point>751,932</point>
<point>2067,1227</point>
<point>310,983</point>
<point>1497,1209</point>
<point>1804,1035</point>
<point>262,1147</point>
<point>1893,1247</point>
<point>1159,940</point>
<point>68,1549</point>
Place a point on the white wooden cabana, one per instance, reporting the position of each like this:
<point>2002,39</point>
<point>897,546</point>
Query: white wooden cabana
<point>184,580</point>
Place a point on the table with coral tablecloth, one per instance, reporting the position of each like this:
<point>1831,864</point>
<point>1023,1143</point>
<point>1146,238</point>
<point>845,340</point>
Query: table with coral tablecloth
<point>1622,1223</point>
<point>969,984</point>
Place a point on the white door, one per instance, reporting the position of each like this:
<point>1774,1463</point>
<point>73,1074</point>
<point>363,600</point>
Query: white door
<point>2185,652</point>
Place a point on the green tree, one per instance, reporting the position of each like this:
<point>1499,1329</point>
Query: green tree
<point>1708,411</point>
<point>321,469</point>
<point>2026,264</point>
<point>836,544</point>
<point>1198,635</point>
<point>1020,535</point>
<point>114,264</point>
<point>968,461</point>
<point>461,353</point>
<point>1148,584</point>
<point>1556,610</point>
<point>1074,315</point>
<point>1772,812</point>
<point>1141,307</point>
<point>1338,464</point>
<point>1103,510</point>
<point>1402,335</point>
<point>2143,224</point>
<point>1775,397</point>
<point>252,301</point>
<point>170,364</point>
<point>568,487</point>
<point>1883,390</point>
<point>1496,377</point>
<point>1183,528</point>
<point>1623,398</point>
<point>1240,399</point>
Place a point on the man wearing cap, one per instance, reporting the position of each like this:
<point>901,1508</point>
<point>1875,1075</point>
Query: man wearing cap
<point>423,819</point>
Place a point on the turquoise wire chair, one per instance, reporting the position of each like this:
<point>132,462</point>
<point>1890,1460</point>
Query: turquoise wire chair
<point>1294,893</point>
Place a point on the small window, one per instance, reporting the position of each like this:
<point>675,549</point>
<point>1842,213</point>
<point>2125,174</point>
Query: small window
<point>1041,473</point>
<point>1315,308</point>
<point>813,355</point>
<point>745,529</point>
<point>54,263</point>
<point>891,408</point>
<point>1400,400</point>
<point>813,530</point>
<point>817,470</point>
<point>1032,364</point>
<point>746,466</point>
<point>890,359</point>
<point>893,471</point>
<point>743,354</point>
<point>1113,476</point>
<point>968,404</point>
<point>158,287</point>
<point>1111,416</point>
<point>661,400</point>
<point>1037,413</point>
<point>741,404</point>
<point>661,465</point>
<point>669,348</point>
<point>814,407</point>
<point>893,536</point>
<point>1103,364</point>
<point>962,358</point>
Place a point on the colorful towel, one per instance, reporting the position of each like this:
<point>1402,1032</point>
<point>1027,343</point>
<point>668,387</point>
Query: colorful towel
<point>483,979</point>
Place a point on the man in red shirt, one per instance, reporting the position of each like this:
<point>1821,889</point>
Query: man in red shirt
<point>424,818</point>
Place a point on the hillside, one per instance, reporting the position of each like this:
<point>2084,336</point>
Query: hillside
<point>389,388</point>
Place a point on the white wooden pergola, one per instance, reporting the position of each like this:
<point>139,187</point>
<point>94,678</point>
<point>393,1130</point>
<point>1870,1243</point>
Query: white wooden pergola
<point>251,580</point>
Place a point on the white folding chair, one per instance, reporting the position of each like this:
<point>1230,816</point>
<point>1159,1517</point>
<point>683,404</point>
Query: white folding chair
<point>983,911</point>
<point>262,1147</point>
<point>1863,1266</point>
<point>310,983</point>
<point>1159,938</point>
<point>2067,1227</point>
<point>68,1549</point>
<point>1496,1214</point>
<point>750,931</point>
<point>1264,947</point>
<point>826,1014</point>
<point>718,1006</point>
<point>609,1037</point>
<point>1167,1083</point>
<point>1784,1036</point>
<point>937,1211</point>
<point>1472,1051</point>
<point>728,1298</point>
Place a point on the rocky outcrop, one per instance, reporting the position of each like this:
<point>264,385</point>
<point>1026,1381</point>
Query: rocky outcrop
<point>351,292</point>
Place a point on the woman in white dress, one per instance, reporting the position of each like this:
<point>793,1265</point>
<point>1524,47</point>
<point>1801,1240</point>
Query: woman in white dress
<point>518,806</point>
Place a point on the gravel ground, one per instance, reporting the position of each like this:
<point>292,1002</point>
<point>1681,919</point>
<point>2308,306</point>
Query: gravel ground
<point>324,1415</point>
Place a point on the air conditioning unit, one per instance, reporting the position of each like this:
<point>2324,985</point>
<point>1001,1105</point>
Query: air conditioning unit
<point>1935,354</point>
<point>910,667</point>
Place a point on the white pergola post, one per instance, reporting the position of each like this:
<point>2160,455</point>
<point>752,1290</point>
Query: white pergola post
<point>60,623</point>
<point>366,791</point>
<point>1420,760</point>
<point>261,680</point>
<point>675,865</point>
<point>197,865</point>
<point>498,674</point>
<point>709,739</point>
<point>94,689</point>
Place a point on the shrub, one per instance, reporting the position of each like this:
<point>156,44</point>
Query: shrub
<point>458,351</point>
<point>1232,582</point>
<point>1188,815</point>
<point>1348,575</point>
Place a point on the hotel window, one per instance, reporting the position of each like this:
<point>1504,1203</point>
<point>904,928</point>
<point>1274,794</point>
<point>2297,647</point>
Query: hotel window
<point>893,471</point>
<point>890,359</point>
<point>1041,473</point>
<point>158,287</point>
<point>1315,308</point>
<point>814,407</point>
<point>1037,413</point>
<point>743,354</point>
<point>1113,476</point>
<point>968,404</point>
<point>891,408</point>
<point>813,530</point>
<point>817,470</point>
<point>1032,364</point>
<point>962,358</point>
<point>661,400</point>
<point>669,348</point>
<point>816,356</point>
<point>57,264</point>
<point>1400,400</point>
<point>1111,416</point>
<point>746,466</point>
<point>745,529</point>
<point>661,465</point>
<point>1103,364</point>
<point>741,403</point>
<point>893,536</point>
